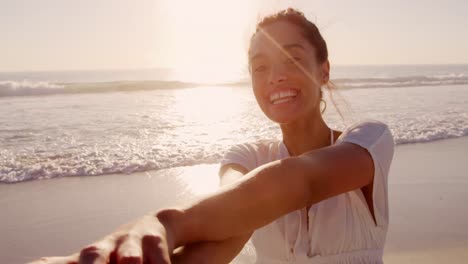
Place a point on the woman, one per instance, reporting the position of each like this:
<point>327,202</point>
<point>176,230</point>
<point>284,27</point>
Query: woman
<point>317,196</point>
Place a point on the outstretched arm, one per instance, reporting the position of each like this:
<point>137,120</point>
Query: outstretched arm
<point>237,209</point>
<point>271,191</point>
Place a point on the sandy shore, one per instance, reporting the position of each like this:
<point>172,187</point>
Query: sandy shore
<point>428,201</point>
<point>428,188</point>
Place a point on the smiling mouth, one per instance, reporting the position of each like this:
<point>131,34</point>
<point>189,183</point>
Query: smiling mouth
<point>283,97</point>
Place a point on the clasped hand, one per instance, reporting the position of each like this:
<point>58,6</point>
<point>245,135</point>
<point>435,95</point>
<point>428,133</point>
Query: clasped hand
<point>149,240</point>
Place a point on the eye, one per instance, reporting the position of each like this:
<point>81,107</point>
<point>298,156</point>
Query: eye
<point>260,68</point>
<point>292,60</point>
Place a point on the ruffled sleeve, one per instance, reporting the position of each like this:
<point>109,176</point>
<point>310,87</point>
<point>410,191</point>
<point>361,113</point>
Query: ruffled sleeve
<point>376,138</point>
<point>241,154</point>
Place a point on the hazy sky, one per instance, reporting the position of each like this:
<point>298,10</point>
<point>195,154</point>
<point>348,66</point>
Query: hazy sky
<point>116,34</point>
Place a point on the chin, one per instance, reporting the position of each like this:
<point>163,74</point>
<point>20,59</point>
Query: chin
<point>284,118</point>
<point>291,115</point>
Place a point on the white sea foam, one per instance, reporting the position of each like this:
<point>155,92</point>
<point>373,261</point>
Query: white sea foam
<point>33,88</point>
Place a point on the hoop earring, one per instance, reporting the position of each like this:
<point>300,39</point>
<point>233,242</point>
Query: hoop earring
<point>324,107</point>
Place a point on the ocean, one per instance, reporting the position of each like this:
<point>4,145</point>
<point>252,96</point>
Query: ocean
<point>83,123</point>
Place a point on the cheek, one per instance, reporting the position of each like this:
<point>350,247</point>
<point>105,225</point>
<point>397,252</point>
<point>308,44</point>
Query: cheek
<point>258,88</point>
<point>258,96</point>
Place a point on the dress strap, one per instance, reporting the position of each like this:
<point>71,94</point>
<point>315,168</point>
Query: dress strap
<point>332,139</point>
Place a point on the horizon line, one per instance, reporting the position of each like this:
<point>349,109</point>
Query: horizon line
<point>182,68</point>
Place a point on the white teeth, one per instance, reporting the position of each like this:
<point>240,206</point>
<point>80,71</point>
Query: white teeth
<point>284,94</point>
<point>282,100</point>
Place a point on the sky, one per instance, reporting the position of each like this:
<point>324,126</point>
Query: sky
<point>52,35</point>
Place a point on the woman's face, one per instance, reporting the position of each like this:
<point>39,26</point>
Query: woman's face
<point>286,76</point>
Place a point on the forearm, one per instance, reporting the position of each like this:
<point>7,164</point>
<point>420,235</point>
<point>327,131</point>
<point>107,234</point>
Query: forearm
<point>256,199</point>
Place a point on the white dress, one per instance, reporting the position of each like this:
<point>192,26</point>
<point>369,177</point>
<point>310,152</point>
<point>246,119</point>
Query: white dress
<point>341,228</point>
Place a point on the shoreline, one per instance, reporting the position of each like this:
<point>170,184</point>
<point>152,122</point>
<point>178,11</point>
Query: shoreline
<point>428,188</point>
<point>203,164</point>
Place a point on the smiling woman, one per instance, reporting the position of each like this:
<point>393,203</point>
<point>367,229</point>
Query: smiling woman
<point>317,195</point>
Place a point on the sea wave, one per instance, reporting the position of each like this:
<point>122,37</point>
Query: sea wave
<point>92,163</point>
<point>33,88</point>
<point>129,132</point>
<point>408,81</point>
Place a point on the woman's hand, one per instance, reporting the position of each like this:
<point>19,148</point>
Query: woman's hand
<point>148,240</point>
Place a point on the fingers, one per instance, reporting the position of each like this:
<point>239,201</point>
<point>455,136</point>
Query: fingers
<point>142,242</point>
<point>130,251</point>
<point>151,249</point>
<point>125,250</point>
<point>154,250</point>
<point>100,252</point>
<point>93,255</point>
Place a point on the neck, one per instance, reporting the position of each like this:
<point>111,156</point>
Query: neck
<point>305,135</point>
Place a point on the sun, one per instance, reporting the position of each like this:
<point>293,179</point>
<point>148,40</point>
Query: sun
<point>206,38</point>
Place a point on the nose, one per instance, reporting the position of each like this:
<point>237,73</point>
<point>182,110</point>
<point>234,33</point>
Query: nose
<point>277,74</point>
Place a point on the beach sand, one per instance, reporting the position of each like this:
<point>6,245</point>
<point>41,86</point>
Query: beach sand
<point>428,189</point>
